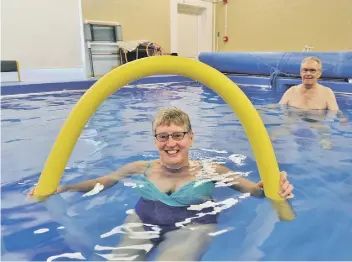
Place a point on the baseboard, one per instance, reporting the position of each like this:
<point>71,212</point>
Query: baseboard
<point>45,75</point>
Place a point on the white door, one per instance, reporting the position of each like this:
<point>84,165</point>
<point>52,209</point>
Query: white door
<point>188,31</point>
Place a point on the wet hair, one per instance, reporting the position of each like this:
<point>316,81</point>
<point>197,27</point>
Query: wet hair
<point>170,116</point>
<point>312,58</point>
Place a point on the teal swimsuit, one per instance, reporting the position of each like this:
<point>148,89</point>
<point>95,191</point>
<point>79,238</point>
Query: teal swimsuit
<point>165,210</point>
<point>189,194</point>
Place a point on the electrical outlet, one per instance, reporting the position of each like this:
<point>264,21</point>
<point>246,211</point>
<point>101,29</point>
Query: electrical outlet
<point>307,48</point>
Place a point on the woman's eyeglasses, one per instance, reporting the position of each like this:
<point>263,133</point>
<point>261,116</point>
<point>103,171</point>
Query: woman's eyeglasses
<point>177,136</point>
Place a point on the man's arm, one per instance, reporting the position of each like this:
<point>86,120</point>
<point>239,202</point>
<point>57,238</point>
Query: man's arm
<point>286,97</point>
<point>284,101</point>
<point>333,106</point>
<point>331,101</point>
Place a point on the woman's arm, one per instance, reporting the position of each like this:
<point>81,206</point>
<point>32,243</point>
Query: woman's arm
<point>239,183</point>
<point>106,181</point>
<point>255,189</point>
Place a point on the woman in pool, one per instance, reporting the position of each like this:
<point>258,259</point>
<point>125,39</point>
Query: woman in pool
<point>170,185</point>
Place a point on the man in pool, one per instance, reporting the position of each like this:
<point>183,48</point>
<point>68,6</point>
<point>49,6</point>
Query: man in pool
<point>169,186</point>
<point>310,94</point>
<point>310,101</point>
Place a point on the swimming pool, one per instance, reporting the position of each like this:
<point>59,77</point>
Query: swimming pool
<point>120,132</point>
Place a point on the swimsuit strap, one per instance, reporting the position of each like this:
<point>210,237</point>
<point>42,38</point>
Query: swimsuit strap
<point>203,168</point>
<point>147,167</point>
<point>202,165</point>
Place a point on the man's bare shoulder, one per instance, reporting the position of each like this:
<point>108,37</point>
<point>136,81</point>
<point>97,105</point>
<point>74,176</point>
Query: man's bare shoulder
<point>296,87</point>
<point>325,88</point>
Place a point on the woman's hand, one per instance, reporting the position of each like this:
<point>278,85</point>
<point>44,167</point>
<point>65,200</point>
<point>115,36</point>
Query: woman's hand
<point>286,187</point>
<point>58,191</point>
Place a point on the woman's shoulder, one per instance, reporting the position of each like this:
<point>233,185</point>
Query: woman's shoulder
<point>144,165</point>
<point>214,167</point>
<point>136,166</point>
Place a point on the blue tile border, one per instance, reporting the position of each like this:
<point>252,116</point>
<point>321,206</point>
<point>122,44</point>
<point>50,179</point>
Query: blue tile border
<point>281,84</point>
<point>28,88</point>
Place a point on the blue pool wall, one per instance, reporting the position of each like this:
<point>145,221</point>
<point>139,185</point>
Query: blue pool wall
<point>335,64</point>
<point>281,70</point>
<point>276,70</point>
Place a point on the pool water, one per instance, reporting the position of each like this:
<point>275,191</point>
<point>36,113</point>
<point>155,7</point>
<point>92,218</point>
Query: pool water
<point>120,132</point>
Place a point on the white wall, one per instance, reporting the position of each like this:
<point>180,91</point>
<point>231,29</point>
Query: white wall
<point>45,36</point>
